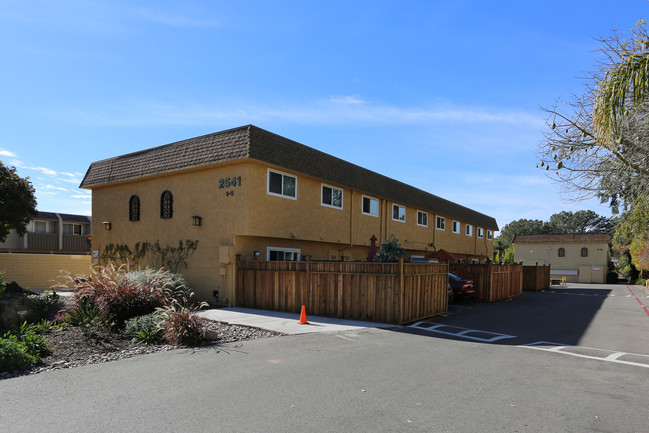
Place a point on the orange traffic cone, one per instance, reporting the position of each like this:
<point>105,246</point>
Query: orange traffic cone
<point>303,317</point>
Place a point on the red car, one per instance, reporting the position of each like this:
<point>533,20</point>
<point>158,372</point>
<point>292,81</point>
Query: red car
<point>461,288</point>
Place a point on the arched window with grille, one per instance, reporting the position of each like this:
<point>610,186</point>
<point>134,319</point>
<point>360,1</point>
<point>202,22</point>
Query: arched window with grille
<point>561,252</point>
<point>166,205</point>
<point>134,208</point>
<point>584,252</point>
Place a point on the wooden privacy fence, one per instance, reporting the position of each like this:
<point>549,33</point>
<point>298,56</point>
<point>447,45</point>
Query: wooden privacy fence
<point>380,292</point>
<point>536,277</point>
<point>492,282</point>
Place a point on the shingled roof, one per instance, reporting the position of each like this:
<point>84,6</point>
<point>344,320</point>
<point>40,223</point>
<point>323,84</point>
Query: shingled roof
<point>571,238</point>
<point>252,142</point>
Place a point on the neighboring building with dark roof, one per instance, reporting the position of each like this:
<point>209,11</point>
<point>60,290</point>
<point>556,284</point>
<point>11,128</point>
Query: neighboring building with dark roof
<point>579,257</point>
<point>52,232</point>
<point>260,195</point>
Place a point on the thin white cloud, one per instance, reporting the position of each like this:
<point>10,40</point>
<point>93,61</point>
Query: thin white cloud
<point>82,196</point>
<point>43,170</point>
<point>172,19</point>
<point>351,99</point>
<point>343,110</point>
<point>53,188</point>
<point>4,152</point>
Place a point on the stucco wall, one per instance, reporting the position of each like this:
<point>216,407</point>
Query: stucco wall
<point>40,271</point>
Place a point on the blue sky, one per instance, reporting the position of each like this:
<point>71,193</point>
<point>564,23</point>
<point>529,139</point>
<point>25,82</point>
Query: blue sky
<point>442,95</point>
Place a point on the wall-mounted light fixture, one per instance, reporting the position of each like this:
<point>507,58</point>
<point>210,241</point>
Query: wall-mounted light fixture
<point>107,225</point>
<point>197,220</point>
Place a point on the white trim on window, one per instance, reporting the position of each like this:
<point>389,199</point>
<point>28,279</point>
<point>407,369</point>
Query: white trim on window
<point>490,235</point>
<point>372,210</point>
<point>469,230</point>
<point>284,186</point>
<point>333,196</point>
<point>422,218</point>
<point>440,223</point>
<point>457,227</point>
<point>283,254</point>
<point>400,213</point>
<point>480,233</point>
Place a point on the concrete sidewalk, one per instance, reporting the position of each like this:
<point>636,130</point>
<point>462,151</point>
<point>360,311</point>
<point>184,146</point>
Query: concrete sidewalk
<point>285,322</point>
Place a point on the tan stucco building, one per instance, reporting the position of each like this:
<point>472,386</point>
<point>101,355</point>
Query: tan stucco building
<point>579,257</point>
<point>265,197</point>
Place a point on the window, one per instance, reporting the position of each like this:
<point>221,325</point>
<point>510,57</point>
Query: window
<point>274,254</point>
<point>561,252</point>
<point>282,185</point>
<point>584,252</point>
<point>166,205</point>
<point>469,230</point>
<point>441,223</point>
<point>475,261</point>
<point>490,234</point>
<point>398,213</point>
<point>456,227</point>
<point>332,197</point>
<point>40,227</point>
<point>72,229</point>
<point>134,208</point>
<point>480,232</point>
<point>370,206</point>
<point>422,218</point>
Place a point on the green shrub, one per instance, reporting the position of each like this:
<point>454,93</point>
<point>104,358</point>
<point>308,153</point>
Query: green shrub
<point>28,334</point>
<point>14,355</point>
<point>22,347</point>
<point>46,305</point>
<point>144,328</point>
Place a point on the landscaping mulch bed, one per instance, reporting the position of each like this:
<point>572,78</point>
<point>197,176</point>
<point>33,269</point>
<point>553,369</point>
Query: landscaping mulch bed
<point>71,348</point>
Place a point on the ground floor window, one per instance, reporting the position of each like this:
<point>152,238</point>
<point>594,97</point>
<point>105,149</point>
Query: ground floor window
<point>275,254</point>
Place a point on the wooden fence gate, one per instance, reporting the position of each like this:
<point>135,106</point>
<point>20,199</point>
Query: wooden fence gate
<point>492,282</point>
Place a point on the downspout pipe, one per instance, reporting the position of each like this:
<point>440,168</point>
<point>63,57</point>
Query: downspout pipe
<point>60,231</point>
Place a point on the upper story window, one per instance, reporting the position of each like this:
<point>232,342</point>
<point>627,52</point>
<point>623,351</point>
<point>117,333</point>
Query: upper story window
<point>561,252</point>
<point>332,197</point>
<point>422,219</point>
<point>398,213</point>
<point>281,184</point>
<point>72,229</point>
<point>370,206</point>
<point>134,208</point>
<point>490,234</point>
<point>469,230</point>
<point>166,205</point>
<point>440,223</point>
<point>40,227</point>
<point>584,252</point>
<point>480,232</point>
<point>456,227</point>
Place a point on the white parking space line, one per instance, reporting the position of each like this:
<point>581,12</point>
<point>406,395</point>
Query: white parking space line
<point>591,353</point>
<point>456,331</point>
